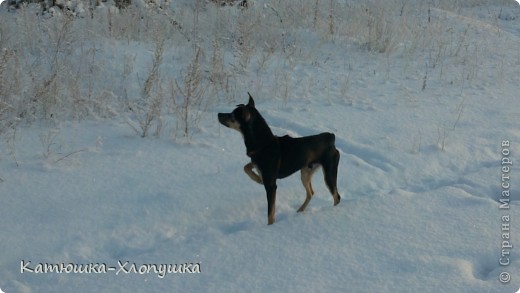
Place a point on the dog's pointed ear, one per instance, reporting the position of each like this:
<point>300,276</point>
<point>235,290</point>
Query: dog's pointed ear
<point>251,102</point>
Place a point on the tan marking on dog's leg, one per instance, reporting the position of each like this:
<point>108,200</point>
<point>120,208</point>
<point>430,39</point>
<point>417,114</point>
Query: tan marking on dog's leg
<point>249,171</point>
<point>333,191</point>
<point>270,219</point>
<point>306,176</point>
<point>335,196</point>
<point>271,200</point>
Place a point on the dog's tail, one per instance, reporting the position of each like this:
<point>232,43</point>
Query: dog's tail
<point>330,138</point>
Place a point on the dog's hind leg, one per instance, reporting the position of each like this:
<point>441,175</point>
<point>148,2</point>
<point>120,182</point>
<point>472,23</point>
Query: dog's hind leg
<point>249,171</point>
<point>306,175</point>
<point>330,172</point>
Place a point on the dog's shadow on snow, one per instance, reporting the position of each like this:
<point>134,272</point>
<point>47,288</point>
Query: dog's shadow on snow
<point>282,217</point>
<point>233,228</point>
<point>253,223</point>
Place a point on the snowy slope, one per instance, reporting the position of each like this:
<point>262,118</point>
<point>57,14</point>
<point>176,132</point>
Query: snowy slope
<point>420,176</point>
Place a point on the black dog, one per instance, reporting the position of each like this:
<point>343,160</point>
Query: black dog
<point>278,157</point>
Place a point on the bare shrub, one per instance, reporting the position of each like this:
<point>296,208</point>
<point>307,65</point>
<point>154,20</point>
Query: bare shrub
<point>218,75</point>
<point>244,44</point>
<point>188,100</point>
<point>148,108</point>
<point>8,118</point>
<point>381,33</point>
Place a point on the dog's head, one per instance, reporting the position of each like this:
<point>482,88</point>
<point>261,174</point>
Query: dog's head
<point>240,117</point>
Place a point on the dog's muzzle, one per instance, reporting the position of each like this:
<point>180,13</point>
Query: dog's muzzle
<point>225,118</point>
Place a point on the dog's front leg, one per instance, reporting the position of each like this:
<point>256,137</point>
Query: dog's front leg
<point>270,189</point>
<point>249,171</point>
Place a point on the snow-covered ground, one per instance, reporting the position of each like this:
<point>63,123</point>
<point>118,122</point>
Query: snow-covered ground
<point>427,125</point>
